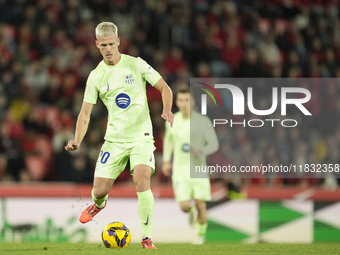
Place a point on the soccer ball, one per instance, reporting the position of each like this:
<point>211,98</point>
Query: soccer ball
<point>116,235</point>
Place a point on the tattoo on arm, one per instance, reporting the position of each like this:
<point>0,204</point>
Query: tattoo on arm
<point>85,122</point>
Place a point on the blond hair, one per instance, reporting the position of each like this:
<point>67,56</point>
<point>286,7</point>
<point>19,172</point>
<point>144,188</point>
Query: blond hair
<point>105,29</point>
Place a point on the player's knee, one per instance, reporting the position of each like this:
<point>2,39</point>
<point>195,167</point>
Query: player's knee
<point>185,207</point>
<point>141,178</point>
<point>142,184</point>
<point>100,193</point>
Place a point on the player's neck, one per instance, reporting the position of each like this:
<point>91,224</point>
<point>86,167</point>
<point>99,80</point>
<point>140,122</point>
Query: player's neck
<point>114,61</point>
<point>186,115</point>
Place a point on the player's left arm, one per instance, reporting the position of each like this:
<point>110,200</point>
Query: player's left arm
<point>211,140</point>
<point>154,78</point>
<point>168,147</point>
<point>167,100</point>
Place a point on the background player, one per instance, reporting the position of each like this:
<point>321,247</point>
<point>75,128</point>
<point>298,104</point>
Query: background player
<point>120,82</point>
<point>177,140</point>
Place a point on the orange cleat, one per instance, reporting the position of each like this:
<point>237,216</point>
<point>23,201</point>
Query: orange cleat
<point>89,213</point>
<point>147,244</point>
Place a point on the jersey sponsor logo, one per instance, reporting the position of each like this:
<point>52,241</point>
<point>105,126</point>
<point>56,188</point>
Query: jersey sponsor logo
<point>129,79</point>
<point>150,158</point>
<point>185,147</point>
<point>123,100</point>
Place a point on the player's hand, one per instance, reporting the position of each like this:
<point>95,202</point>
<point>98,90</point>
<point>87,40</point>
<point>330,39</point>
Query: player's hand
<point>166,168</point>
<point>169,117</point>
<point>72,146</point>
<point>196,153</point>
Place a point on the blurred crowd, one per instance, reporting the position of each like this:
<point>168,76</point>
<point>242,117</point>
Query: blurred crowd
<point>47,50</point>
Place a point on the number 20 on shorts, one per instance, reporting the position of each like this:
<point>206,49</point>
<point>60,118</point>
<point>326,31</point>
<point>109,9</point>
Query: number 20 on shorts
<point>103,157</point>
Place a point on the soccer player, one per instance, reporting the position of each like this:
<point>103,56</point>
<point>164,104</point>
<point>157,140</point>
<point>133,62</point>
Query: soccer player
<point>177,141</point>
<point>120,81</point>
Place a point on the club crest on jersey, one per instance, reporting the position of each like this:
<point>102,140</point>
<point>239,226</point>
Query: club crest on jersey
<point>123,100</point>
<point>129,79</point>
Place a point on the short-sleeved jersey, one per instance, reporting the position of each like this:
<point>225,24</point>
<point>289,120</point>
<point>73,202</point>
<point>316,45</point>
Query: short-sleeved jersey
<point>177,140</point>
<point>122,88</point>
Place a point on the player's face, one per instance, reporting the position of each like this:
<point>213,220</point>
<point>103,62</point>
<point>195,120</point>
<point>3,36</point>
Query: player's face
<point>183,102</point>
<point>108,46</point>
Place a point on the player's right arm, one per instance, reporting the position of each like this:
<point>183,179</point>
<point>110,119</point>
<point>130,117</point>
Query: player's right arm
<point>81,126</point>
<point>167,150</point>
<point>90,99</point>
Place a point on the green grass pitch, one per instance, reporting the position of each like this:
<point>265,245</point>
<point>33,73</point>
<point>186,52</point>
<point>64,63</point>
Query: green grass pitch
<point>165,249</point>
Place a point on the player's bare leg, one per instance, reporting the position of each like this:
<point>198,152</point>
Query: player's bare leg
<point>101,188</point>
<point>186,206</point>
<point>202,211</point>
<point>141,177</point>
<point>141,180</point>
<point>201,220</point>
